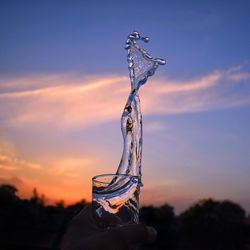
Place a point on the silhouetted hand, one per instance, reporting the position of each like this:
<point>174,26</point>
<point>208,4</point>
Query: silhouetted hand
<point>84,234</point>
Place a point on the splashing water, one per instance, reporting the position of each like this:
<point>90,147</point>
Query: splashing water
<point>120,196</point>
<point>141,65</point>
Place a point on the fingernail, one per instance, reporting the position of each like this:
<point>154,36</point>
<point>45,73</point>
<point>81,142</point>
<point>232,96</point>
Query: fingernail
<point>152,234</point>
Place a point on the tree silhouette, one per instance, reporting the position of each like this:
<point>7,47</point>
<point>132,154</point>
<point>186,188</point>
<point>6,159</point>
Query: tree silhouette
<point>214,225</point>
<point>207,225</point>
<point>160,215</point>
<point>8,194</point>
<point>60,204</point>
<point>163,219</point>
<point>37,199</point>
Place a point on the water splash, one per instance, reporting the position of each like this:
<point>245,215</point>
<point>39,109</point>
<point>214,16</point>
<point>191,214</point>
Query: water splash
<point>141,65</point>
<point>121,195</point>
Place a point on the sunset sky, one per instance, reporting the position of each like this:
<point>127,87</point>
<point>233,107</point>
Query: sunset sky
<point>64,83</point>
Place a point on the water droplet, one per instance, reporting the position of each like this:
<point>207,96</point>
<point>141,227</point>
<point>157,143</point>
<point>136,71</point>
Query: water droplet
<point>127,46</point>
<point>136,34</point>
<point>160,61</point>
<point>128,41</point>
<point>145,39</point>
<point>131,36</point>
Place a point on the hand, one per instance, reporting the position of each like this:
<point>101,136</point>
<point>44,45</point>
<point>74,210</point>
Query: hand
<point>84,234</point>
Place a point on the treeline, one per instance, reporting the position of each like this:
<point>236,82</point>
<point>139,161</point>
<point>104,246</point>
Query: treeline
<point>208,225</point>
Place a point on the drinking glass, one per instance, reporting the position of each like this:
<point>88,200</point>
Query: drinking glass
<point>115,196</point>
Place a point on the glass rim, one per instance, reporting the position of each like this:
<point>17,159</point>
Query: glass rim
<point>94,179</point>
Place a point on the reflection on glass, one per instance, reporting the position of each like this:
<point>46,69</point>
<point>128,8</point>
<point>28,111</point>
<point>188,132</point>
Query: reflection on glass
<point>118,195</point>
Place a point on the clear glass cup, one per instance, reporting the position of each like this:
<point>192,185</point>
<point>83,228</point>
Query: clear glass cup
<point>115,199</point>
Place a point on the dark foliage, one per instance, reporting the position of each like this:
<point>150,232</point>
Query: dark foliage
<point>30,224</point>
<point>214,225</point>
<point>164,220</point>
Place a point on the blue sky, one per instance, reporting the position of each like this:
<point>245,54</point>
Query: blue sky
<point>45,36</point>
<point>55,135</point>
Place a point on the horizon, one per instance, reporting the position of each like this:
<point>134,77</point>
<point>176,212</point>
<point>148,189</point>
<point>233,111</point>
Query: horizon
<point>44,201</point>
<point>64,83</point>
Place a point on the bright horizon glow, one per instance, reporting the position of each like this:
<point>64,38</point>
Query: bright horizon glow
<point>80,103</point>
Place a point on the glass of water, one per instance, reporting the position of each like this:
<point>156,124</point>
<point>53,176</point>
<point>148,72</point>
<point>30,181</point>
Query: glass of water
<point>115,196</point>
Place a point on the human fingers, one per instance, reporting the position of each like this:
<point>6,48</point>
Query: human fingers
<point>107,219</point>
<point>134,233</point>
<point>119,238</point>
<point>82,224</point>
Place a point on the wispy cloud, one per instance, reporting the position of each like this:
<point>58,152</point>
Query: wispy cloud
<point>154,127</point>
<point>73,102</point>
<point>12,163</point>
<point>54,177</point>
<point>63,105</point>
<point>77,101</point>
<point>9,161</point>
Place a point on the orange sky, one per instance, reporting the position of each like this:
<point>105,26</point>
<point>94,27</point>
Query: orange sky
<point>60,130</point>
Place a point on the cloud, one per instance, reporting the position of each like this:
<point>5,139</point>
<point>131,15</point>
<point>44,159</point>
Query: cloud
<point>55,178</point>
<point>9,161</point>
<point>218,90</point>
<point>62,105</point>
<point>71,101</point>
<point>10,180</point>
<point>74,101</point>
<point>12,163</point>
<point>154,126</point>
<point>81,102</point>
